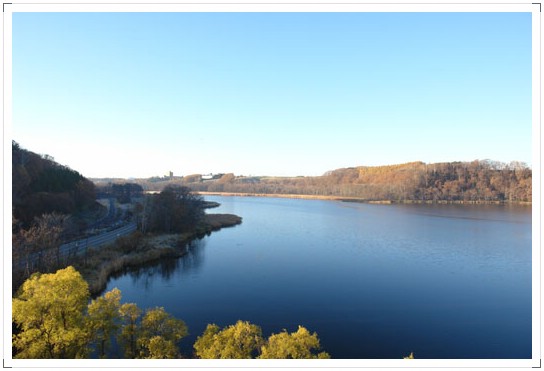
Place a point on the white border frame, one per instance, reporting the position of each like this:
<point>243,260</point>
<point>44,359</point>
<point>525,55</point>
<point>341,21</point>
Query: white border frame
<point>270,6</point>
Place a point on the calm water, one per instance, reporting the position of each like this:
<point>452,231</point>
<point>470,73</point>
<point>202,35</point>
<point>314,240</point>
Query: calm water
<point>374,281</point>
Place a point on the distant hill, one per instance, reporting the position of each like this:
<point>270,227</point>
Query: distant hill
<point>475,181</point>
<point>40,186</point>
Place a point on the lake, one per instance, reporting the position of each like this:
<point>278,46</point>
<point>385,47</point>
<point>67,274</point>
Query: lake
<point>374,281</point>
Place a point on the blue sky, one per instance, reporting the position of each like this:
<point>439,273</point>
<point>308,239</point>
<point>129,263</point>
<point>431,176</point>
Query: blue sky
<point>141,94</point>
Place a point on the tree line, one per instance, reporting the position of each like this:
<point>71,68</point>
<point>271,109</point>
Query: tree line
<point>123,192</point>
<point>174,210</point>
<point>54,317</point>
<point>37,248</point>
<point>51,203</point>
<point>42,186</point>
<point>475,181</point>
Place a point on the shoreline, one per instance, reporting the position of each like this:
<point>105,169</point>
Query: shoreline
<point>136,249</point>
<point>361,200</point>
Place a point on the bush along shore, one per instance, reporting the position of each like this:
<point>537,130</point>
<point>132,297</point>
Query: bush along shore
<point>138,249</point>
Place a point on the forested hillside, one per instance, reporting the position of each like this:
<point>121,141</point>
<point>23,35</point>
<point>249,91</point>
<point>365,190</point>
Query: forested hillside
<point>476,181</point>
<point>42,186</point>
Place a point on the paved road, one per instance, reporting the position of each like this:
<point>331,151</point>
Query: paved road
<point>80,247</point>
<point>108,219</point>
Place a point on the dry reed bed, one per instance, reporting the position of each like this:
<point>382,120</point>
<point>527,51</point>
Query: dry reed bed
<point>361,200</point>
<point>137,249</point>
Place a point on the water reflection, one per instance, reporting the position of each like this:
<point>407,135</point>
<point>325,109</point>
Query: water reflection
<point>194,259</point>
<point>442,281</point>
<point>145,275</point>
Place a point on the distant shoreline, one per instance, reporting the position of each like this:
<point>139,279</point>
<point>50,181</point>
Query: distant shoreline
<point>360,200</point>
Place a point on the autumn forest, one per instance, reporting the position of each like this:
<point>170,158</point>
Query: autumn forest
<point>471,182</point>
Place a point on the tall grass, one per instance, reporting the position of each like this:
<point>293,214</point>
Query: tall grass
<point>137,249</point>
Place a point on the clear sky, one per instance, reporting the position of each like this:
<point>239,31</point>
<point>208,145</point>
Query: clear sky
<point>141,94</point>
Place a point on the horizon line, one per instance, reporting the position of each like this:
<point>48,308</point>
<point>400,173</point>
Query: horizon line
<point>166,175</point>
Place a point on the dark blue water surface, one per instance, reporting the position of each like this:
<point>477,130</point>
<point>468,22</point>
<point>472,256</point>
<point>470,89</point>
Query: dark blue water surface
<point>374,281</point>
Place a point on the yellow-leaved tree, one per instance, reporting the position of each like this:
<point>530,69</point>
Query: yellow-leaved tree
<point>49,311</point>
<point>295,345</point>
<point>240,341</point>
<point>130,313</point>
<point>103,315</point>
<point>159,334</point>
<point>244,340</point>
<point>54,319</point>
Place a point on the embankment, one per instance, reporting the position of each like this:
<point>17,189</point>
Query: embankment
<point>138,249</point>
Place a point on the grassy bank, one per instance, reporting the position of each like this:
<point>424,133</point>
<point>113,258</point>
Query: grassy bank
<point>362,200</point>
<point>138,249</point>
<point>277,195</point>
